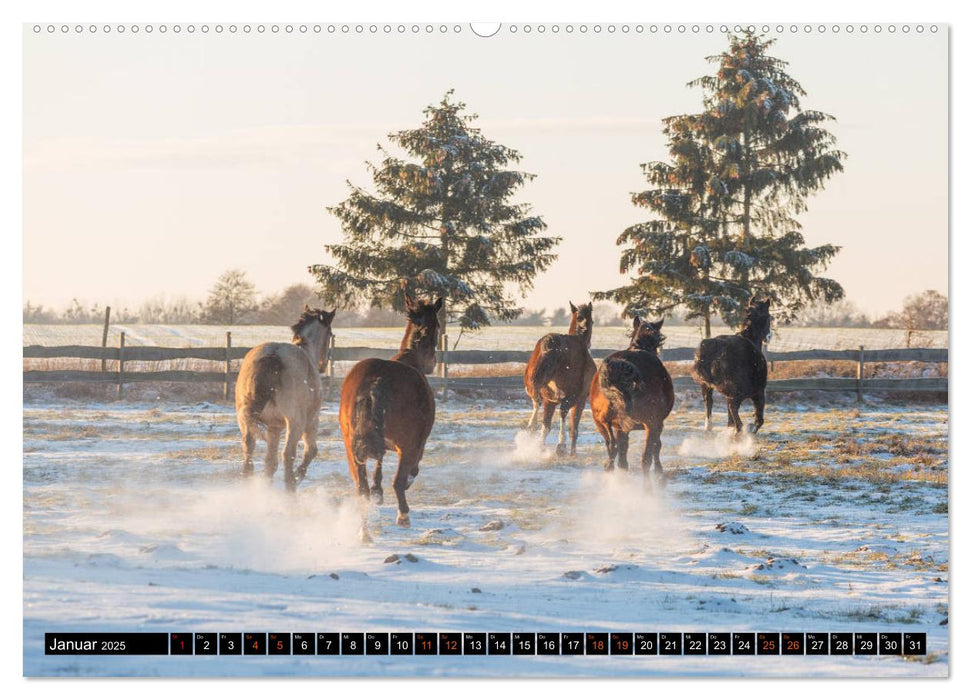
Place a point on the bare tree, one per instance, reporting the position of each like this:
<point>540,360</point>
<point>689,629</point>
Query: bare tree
<point>231,298</point>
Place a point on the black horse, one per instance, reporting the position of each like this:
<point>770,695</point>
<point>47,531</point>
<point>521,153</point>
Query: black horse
<point>735,365</point>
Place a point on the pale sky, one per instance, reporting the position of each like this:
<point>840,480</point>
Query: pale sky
<point>152,163</point>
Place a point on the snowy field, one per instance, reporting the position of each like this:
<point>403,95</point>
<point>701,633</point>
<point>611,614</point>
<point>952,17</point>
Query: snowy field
<point>834,519</point>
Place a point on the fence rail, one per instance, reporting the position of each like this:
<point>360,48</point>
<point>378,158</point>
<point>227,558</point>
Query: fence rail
<point>124,355</point>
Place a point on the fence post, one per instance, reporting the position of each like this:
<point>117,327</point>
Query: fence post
<point>329,365</point>
<point>229,347</point>
<point>444,369</point>
<point>104,338</point>
<point>859,377</point>
<point>121,365</point>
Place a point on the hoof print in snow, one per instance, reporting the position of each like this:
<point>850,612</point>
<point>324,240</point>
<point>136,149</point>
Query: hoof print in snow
<point>335,577</point>
<point>477,590</point>
<point>393,559</point>
<point>411,557</point>
<point>732,528</point>
<point>573,575</point>
<point>492,526</point>
<point>605,569</point>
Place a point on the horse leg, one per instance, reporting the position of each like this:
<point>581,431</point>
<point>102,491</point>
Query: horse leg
<point>248,429</point>
<point>734,420</point>
<point>272,451</point>
<point>404,478</point>
<point>377,493</point>
<point>290,455</point>
<point>549,408</point>
<point>759,401</point>
<point>607,433</point>
<point>533,419</point>
<point>561,440</point>
<point>707,394</point>
<point>648,455</point>
<point>623,444</point>
<point>309,445</point>
<point>575,425</point>
<point>309,452</point>
<point>359,475</point>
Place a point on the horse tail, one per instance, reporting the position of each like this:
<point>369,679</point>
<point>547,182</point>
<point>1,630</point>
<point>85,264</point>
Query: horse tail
<point>268,380</point>
<point>619,380</point>
<point>549,359</point>
<point>368,422</point>
<point>704,356</point>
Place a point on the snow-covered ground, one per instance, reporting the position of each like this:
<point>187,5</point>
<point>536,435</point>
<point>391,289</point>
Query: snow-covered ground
<point>831,520</point>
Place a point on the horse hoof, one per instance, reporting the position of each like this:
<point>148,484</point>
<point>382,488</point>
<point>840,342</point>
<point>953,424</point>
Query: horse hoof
<point>377,497</point>
<point>608,466</point>
<point>404,520</point>
<point>561,450</point>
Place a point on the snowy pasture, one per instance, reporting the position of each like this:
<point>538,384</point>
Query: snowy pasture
<point>833,519</point>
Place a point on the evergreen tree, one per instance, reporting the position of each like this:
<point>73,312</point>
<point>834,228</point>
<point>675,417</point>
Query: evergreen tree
<point>770,156</point>
<point>724,205</point>
<point>440,223</point>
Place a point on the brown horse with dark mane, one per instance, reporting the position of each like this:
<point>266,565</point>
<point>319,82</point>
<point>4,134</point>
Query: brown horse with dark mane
<point>735,365</point>
<point>632,389</point>
<point>559,374</point>
<point>279,388</point>
<point>389,405</point>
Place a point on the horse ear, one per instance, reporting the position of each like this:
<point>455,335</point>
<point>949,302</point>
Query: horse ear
<point>306,307</point>
<point>573,309</point>
<point>751,302</point>
<point>767,302</point>
<point>439,303</point>
<point>409,302</point>
<point>659,324</point>
<point>637,322</point>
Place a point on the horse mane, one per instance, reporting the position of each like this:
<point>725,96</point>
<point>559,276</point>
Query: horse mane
<point>306,317</point>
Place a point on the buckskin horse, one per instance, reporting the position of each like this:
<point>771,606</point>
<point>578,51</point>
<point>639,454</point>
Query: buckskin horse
<point>632,389</point>
<point>389,405</point>
<point>559,374</point>
<point>735,365</point>
<point>279,388</point>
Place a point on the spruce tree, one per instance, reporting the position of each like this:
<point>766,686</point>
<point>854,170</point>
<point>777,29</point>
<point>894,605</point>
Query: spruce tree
<point>726,202</point>
<point>439,223</point>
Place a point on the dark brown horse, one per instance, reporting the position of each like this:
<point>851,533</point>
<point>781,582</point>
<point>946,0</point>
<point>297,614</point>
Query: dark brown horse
<point>389,405</point>
<point>735,365</point>
<point>279,388</point>
<point>632,389</point>
<point>559,374</point>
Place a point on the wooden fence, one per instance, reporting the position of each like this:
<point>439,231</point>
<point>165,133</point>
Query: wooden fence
<point>227,376</point>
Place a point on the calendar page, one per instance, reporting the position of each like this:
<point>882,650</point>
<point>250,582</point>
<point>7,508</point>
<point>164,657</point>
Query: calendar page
<point>512,350</point>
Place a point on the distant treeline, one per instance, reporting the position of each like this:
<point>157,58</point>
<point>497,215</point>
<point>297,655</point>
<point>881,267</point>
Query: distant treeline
<point>233,301</point>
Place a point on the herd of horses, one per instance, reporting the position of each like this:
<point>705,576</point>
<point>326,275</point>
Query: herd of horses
<point>389,404</point>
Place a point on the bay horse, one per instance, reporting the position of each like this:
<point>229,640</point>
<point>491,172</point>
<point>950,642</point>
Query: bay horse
<point>279,388</point>
<point>735,365</point>
<point>389,405</point>
<point>559,374</point>
<point>633,389</point>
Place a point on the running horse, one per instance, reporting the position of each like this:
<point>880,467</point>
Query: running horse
<point>559,374</point>
<point>279,388</point>
<point>632,389</point>
<point>735,365</point>
<point>389,405</point>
